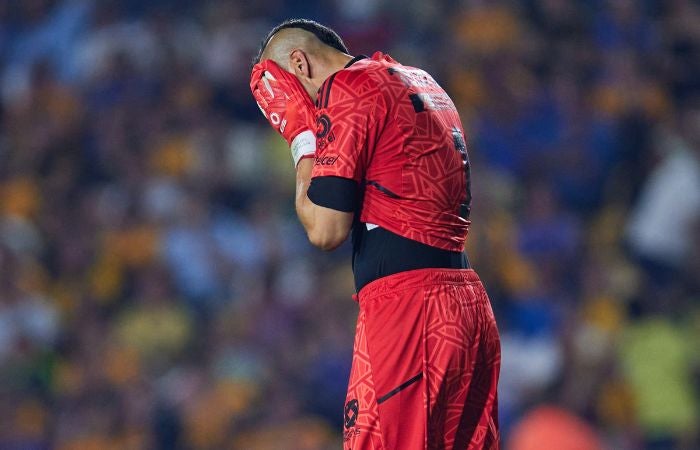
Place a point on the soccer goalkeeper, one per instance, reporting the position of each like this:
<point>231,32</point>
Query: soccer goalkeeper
<point>382,153</point>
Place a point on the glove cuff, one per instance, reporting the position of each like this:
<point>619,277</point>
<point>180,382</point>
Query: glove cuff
<point>303,144</point>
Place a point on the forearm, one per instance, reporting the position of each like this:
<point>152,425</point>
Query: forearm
<point>325,227</point>
<point>304,206</point>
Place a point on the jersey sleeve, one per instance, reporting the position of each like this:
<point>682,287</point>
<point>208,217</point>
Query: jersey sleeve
<point>346,125</point>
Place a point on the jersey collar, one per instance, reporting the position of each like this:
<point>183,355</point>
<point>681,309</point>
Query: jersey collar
<point>354,60</point>
<point>350,63</point>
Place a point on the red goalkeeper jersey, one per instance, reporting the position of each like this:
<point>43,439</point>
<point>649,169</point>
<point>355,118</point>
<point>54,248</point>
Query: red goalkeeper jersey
<point>390,147</point>
<point>393,129</point>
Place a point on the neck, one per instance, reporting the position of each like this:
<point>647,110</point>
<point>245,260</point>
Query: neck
<point>326,66</point>
<point>335,61</point>
<point>342,60</point>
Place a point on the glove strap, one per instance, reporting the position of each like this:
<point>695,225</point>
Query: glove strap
<point>304,144</point>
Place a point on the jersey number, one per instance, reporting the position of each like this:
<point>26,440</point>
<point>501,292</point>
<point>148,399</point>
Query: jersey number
<point>461,146</point>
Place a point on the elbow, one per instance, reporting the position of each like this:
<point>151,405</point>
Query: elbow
<point>327,241</point>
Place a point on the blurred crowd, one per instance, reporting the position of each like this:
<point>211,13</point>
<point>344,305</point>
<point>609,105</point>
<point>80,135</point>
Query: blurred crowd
<point>158,292</point>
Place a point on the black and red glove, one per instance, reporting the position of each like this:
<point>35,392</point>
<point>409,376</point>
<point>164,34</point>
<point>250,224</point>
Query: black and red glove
<point>286,105</point>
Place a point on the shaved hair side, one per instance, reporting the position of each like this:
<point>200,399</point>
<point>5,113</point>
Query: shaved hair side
<point>303,33</point>
<point>285,41</point>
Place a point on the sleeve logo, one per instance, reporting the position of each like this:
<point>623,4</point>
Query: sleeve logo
<point>323,131</point>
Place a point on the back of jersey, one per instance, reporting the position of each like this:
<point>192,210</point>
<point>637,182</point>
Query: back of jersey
<point>394,131</point>
<point>418,175</point>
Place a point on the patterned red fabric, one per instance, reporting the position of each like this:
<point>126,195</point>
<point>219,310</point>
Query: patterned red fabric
<point>425,365</point>
<point>393,128</point>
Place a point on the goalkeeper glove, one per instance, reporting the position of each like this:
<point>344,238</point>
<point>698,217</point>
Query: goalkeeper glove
<point>286,105</point>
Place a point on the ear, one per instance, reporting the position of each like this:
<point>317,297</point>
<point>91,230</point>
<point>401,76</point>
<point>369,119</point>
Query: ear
<point>300,64</point>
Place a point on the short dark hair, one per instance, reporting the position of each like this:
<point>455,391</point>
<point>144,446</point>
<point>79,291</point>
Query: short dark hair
<point>322,32</point>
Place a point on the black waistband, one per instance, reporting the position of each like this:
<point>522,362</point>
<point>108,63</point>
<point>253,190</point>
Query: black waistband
<point>379,253</point>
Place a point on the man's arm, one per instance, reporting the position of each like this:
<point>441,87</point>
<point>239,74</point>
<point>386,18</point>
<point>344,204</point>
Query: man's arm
<point>326,228</point>
<point>290,112</point>
<point>328,188</point>
<point>326,205</point>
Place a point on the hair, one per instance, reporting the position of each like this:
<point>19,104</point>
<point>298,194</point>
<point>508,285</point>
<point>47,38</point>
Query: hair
<point>322,32</point>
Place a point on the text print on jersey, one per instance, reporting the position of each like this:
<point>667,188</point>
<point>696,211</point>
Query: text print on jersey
<point>418,80</point>
<point>326,160</point>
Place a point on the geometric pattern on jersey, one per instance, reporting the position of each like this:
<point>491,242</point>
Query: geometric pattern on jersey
<point>425,365</point>
<point>394,130</point>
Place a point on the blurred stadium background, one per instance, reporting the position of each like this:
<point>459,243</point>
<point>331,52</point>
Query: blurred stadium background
<point>157,292</point>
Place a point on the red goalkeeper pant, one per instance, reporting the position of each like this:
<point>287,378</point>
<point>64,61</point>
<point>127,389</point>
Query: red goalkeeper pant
<point>425,365</point>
